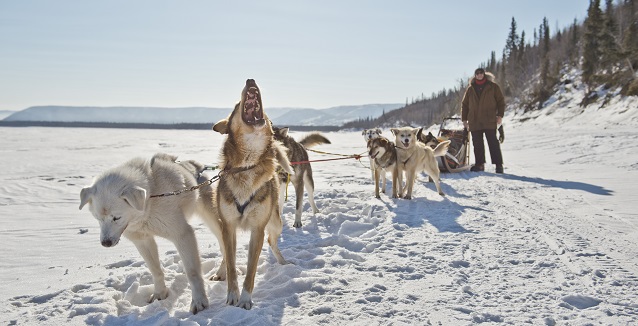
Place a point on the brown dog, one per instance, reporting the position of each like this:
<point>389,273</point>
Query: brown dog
<point>248,190</point>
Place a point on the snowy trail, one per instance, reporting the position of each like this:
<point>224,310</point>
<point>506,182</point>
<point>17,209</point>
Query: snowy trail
<point>524,247</point>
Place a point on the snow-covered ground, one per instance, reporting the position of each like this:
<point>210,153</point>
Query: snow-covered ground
<point>553,241</point>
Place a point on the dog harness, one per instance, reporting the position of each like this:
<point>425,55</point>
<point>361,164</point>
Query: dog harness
<point>241,208</point>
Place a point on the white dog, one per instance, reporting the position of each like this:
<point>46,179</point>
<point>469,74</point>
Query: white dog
<point>120,199</point>
<point>413,157</point>
<point>369,134</point>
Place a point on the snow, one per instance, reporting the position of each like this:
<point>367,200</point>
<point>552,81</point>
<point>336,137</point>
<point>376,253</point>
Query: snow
<point>553,241</point>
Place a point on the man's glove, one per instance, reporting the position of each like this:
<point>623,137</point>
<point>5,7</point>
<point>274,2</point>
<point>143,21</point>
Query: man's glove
<point>501,134</point>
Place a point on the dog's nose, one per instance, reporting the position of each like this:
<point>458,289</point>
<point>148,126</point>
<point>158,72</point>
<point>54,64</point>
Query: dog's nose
<point>107,243</point>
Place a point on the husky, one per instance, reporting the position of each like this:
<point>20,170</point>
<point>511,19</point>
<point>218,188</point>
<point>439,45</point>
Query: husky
<point>371,134</point>
<point>414,157</point>
<point>429,139</point>
<point>120,199</point>
<point>303,171</point>
<point>247,192</point>
<point>383,154</point>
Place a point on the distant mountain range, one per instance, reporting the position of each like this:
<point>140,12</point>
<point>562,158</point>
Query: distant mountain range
<point>335,116</point>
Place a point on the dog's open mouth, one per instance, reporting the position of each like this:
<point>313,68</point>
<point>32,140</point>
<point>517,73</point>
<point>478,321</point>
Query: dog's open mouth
<point>252,110</point>
<point>406,143</point>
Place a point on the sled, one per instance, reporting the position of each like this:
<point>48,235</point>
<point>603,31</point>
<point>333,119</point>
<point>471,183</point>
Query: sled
<point>457,158</point>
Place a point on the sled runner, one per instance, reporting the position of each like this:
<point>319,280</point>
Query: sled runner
<point>457,158</point>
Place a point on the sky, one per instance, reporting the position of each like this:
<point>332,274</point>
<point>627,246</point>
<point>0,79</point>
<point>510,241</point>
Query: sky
<point>553,241</point>
<point>311,54</point>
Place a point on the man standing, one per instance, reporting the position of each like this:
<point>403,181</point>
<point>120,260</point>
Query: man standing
<point>482,112</point>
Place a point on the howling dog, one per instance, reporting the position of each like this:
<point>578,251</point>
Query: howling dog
<point>303,171</point>
<point>383,154</point>
<point>413,157</point>
<point>120,199</point>
<point>247,193</point>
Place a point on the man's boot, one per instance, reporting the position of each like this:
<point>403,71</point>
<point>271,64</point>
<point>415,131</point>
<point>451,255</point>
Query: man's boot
<point>499,168</point>
<point>478,168</point>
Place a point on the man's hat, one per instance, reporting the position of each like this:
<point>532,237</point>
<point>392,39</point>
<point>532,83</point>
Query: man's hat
<point>479,71</point>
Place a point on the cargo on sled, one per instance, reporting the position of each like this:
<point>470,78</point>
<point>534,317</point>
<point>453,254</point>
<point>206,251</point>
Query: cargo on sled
<point>457,158</point>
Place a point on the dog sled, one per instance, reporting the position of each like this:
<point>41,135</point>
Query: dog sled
<point>457,158</point>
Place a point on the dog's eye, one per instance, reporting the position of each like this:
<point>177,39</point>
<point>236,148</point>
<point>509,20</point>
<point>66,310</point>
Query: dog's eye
<point>115,218</point>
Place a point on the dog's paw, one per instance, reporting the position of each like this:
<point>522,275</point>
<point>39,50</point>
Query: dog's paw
<point>246,301</point>
<point>408,197</point>
<point>160,295</point>
<point>297,224</point>
<point>232,299</point>
<point>220,275</point>
<point>442,194</point>
<point>217,277</point>
<point>199,305</point>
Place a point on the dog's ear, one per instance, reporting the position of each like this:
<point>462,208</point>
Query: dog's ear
<point>284,131</point>
<point>135,196</point>
<point>418,131</point>
<point>221,126</point>
<point>363,132</point>
<point>379,131</point>
<point>394,131</point>
<point>86,195</point>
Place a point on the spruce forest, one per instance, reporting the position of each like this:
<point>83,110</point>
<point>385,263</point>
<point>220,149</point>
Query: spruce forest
<point>604,48</point>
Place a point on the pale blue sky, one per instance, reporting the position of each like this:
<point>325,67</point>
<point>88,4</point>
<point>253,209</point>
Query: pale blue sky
<point>315,54</point>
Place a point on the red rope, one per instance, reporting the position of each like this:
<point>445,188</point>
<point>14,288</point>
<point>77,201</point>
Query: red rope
<point>358,157</point>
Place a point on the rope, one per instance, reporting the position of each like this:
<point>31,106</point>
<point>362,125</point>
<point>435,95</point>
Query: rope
<point>320,152</point>
<point>234,170</point>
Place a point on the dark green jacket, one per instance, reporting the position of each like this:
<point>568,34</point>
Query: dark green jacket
<point>481,112</point>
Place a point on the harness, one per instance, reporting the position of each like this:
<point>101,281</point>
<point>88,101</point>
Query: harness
<point>390,161</point>
<point>242,207</point>
<point>406,161</point>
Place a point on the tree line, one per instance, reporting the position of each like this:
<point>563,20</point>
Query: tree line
<point>604,47</point>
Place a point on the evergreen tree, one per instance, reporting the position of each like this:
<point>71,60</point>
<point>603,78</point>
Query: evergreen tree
<point>591,44</point>
<point>544,83</point>
<point>492,65</point>
<point>610,53</point>
<point>630,45</point>
<point>512,41</point>
<point>521,48</point>
<point>573,44</point>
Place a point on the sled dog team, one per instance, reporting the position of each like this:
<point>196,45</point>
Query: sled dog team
<point>142,199</point>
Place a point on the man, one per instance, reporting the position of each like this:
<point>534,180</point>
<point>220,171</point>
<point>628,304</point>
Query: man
<point>482,112</point>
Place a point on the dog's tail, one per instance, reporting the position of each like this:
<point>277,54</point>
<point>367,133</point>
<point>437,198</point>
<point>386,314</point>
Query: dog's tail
<point>314,139</point>
<point>441,148</point>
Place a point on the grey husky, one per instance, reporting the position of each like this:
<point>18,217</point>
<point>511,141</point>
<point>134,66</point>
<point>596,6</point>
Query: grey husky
<point>298,156</point>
